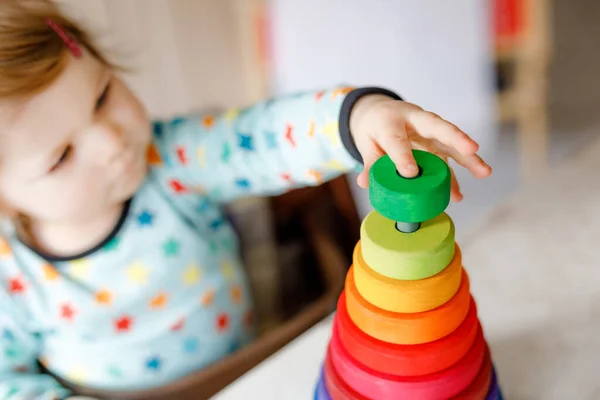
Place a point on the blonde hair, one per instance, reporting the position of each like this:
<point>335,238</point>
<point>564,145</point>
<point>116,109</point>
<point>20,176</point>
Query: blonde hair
<point>31,52</point>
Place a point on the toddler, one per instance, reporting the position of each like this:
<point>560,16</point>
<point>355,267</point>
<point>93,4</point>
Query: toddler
<point>120,271</point>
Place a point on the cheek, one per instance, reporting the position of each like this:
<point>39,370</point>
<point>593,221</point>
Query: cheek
<point>78,196</point>
<point>130,113</point>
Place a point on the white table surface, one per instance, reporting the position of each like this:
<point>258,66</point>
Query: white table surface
<point>534,269</point>
<point>290,374</point>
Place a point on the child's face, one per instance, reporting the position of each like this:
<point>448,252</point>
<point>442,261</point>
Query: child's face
<point>75,149</point>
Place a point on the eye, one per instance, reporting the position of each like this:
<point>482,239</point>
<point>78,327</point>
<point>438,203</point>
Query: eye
<point>64,157</point>
<point>102,99</point>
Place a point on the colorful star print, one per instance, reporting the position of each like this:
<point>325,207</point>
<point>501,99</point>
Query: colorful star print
<point>287,178</point>
<point>67,312</point>
<point>16,285</point>
<point>113,244</point>
<point>181,155</point>
<point>316,176</point>
<point>222,322</point>
<point>177,186</point>
<point>50,273</point>
<point>115,371</point>
<point>231,115</point>
<point>245,142</point>
<point>14,352</point>
<point>208,121</point>
<point>226,154</point>
<point>191,275</point>
<point>137,273</point>
<point>145,218</point>
<point>207,298</point>
<point>190,345</point>
<point>177,121</point>
<point>341,92</point>
<point>216,223</point>
<point>236,294</point>
<point>103,297</point>
<point>159,301</point>
<point>334,165</point>
<point>242,183</point>
<point>153,363</point>
<point>227,269</point>
<point>271,139</point>
<point>171,247</point>
<point>79,268</point>
<point>311,129</point>
<point>289,135</point>
<point>201,156</point>
<point>331,130</point>
<point>8,335</point>
<point>123,324</point>
<point>157,129</point>
<point>203,205</point>
<point>153,156</point>
<point>4,249</point>
<point>177,326</point>
<point>12,390</point>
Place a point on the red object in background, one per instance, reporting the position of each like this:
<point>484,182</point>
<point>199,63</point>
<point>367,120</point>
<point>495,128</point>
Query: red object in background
<point>509,19</point>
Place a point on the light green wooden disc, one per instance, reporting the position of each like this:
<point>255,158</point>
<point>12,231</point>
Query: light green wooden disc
<point>407,256</point>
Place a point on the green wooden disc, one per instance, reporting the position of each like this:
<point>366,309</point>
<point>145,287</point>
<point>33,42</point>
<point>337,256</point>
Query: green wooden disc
<point>407,256</point>
<point>410,199</point>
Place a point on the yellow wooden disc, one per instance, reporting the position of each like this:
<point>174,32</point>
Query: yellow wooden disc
<point>407,256</point>
<point>406,296</point>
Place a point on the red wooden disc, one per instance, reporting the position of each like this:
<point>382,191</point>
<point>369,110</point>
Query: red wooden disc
<point>437,386</point>
<point>406,360</point>
<point>478,389</point>
<point>337,388</point>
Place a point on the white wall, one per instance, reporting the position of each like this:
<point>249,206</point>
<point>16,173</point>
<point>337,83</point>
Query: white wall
<point>432,52</point>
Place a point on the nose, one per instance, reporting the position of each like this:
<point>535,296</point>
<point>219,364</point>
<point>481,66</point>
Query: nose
<point>106,143</point>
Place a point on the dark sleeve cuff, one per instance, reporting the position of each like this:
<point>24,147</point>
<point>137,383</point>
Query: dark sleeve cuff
<point>344,123</point>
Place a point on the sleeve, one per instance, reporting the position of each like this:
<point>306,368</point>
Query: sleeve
<point>266,149</point>
<point>20,376</point>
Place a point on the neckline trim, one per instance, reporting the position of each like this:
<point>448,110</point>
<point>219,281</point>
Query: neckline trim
<point>116,229</point>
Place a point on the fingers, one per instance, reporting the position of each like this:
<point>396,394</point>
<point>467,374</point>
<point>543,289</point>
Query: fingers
<point>473,163</point>
<point>396,144</point>
<point>432,126</point>
<point>455,193</point>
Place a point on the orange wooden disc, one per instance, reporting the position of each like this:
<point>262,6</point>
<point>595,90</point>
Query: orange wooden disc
<point>407,296</point>
<point>478,389</point>
<point>406,360</point>
<point>407,328</point>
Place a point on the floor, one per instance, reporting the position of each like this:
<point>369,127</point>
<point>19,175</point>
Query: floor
<point>573,101</point>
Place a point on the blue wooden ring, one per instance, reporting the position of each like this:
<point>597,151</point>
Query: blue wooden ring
<point>321,392</point>
<point>494,392</point>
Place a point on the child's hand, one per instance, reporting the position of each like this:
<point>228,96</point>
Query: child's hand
<point>381,125</point>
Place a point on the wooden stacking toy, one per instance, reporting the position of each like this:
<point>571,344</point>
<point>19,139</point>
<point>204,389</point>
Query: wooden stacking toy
<point>406,325</point>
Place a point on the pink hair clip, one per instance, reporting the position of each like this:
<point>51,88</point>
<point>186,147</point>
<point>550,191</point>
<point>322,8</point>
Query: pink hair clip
<point>72,45</point>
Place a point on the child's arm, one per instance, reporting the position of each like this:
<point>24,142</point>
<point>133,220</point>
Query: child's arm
<point>266,149</point>
<point>20,377</point>
<point>303,140</point>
